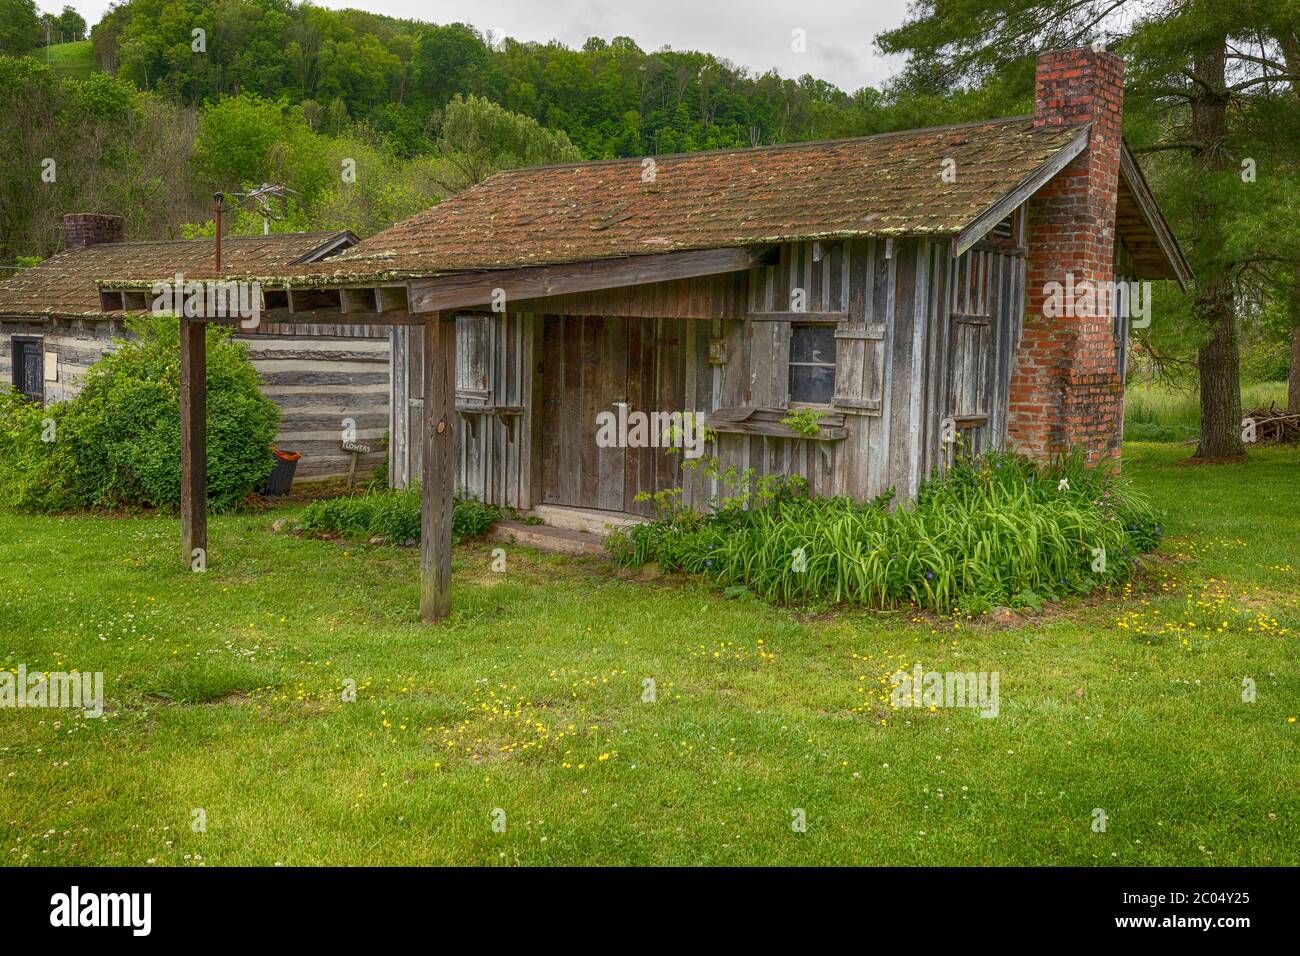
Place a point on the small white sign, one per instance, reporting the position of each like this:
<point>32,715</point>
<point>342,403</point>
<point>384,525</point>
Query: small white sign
<point>51,366</point>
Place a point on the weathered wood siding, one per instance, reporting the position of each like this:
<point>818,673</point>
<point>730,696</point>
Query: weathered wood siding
<point>319,376</point>
<point>883,297</point>
<point>494,396</point>
<point>972,355</point>
<point>921,338</point>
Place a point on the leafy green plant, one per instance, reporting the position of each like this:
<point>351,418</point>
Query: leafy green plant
<point>30,467</point>
<point>805,421</point>
<point>393,514</point>
<point>117,443</point>
<point>993,528</point>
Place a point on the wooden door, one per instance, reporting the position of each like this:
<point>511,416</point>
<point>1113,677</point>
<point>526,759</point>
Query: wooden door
<point>591,364</point>
<point>29,369</point>
<point>584,373</point>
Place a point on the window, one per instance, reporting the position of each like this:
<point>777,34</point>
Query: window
<point>812,364</point>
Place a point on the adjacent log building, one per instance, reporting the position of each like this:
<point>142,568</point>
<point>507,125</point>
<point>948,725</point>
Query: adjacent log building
<point>55,323</point>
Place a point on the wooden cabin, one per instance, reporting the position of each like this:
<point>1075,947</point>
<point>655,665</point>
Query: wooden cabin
<point>882,281</point>
<point>901,285</point>
<point>55,323</point>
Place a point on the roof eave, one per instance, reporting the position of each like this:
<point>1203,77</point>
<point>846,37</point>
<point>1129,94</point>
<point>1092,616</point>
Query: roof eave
<point>1155,219</point>
<point>1011,200</point>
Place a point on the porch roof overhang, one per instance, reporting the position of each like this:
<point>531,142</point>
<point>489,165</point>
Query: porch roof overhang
<point>1143,228</point>
<point>403,301</point>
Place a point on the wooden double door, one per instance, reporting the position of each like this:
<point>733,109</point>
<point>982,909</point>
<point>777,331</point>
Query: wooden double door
<point>591,364</point>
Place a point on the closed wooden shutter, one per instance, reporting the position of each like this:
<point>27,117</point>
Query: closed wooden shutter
<point>859,368</point>
<point>972,340</point>
<point>473,386</point>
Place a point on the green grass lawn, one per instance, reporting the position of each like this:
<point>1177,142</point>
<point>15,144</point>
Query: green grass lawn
<point>224,694</point>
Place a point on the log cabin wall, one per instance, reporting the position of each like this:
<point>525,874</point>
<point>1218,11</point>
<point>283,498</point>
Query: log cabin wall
<point>317,375</point>
<point>75,344</point>
<point>320,376</point>
<point>919,337</point>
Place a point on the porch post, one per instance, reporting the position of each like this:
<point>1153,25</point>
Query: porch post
<point>438,480</point>
<point>194,445</point>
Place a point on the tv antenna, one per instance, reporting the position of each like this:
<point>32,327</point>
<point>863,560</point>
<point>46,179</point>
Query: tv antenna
<point>265,198</point>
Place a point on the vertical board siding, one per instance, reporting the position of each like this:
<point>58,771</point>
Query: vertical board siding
<point>494,399</point>
<point>975,349</point>
<point>920,336</point>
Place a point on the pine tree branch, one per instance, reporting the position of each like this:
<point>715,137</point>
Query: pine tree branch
<point>1164,147</point>
<point>1272,78</point>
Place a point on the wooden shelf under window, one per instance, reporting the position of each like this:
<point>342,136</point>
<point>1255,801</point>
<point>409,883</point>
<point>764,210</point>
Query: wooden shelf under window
<point>748,420</point>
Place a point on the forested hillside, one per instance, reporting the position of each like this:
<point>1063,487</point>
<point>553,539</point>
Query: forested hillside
<point>195,97</point>
<point>610,97</point>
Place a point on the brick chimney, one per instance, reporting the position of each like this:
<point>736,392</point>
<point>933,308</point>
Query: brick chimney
<point>1066,388</point>
<point>81,229</point>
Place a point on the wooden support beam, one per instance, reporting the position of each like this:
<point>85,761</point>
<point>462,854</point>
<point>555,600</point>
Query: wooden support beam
<point>828,317</point>
<point>460,290</point>
<point>194,445</point>
<point>439,479</point>
<point>338,317</point>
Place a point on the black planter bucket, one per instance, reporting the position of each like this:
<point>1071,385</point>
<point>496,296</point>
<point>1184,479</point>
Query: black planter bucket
<point>278,482</point>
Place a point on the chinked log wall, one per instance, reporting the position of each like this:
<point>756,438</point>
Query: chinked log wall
<point>921,338</point>
<point>78,343</point>
<point>317,375</point>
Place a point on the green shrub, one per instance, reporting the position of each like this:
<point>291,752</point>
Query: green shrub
<point>118,441</point>
<point>996,530</point>
<point>393,514</point>
<point>30,464</point>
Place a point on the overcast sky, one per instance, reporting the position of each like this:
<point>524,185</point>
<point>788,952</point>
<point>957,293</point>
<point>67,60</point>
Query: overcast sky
<point>757,34</point>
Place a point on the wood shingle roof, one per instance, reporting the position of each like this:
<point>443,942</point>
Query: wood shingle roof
<point>890,184</point>
<point>65,284</point>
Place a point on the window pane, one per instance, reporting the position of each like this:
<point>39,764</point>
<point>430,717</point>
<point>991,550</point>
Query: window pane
<point>812,383</point>
<point>813,343</point>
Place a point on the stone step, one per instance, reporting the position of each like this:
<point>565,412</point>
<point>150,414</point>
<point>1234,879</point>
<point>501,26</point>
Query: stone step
<point>557,540</point>
<point>589,520</point>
